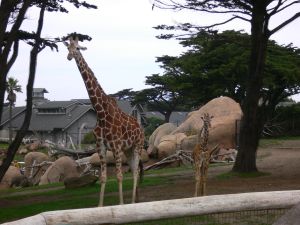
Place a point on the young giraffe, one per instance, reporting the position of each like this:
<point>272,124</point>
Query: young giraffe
<point>114,130</point>
<point>202,156</point>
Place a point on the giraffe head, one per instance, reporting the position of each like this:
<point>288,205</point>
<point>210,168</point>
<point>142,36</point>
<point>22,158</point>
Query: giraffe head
<point>207,119</point>
<point>73,47</point>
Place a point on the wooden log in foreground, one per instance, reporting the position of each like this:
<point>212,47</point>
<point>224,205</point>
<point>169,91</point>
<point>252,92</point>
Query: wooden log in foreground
<point>166,209</point>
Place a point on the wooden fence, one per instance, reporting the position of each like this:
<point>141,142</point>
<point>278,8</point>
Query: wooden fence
<point>147,211</point>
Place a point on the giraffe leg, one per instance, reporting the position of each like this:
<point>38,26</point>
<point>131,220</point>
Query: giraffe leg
<point>119,174</point>
<point>102,175</point>
<point>197,179</point>
<point>135,173</point>
<point>201,185</point>
<point>204,182</point>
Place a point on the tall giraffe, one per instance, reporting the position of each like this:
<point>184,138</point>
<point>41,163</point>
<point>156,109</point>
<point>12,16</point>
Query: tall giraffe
<point>202,156</point>
<point>114,129</point>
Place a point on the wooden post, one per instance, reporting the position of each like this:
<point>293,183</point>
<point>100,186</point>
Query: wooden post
<point>121,214</point>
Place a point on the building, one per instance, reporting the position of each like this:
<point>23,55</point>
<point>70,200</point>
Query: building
<point>67,121</point>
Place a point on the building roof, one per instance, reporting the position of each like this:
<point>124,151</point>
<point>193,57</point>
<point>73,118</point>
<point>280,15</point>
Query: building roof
<point>55,104</point>
<point>122,104</point>
<point>16,111</point>
<point>45,122</point>
<point>52,115</point>
<point>51,121</point>
<point>43,90</point>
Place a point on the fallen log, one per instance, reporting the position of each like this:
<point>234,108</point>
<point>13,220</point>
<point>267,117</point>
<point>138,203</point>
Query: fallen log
<point>76,154</point>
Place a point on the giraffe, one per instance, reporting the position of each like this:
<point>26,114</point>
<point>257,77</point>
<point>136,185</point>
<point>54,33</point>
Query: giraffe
<point>202,155</point>
<point>115,130</point>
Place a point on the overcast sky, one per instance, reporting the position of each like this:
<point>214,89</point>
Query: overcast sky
<point>123,49</point>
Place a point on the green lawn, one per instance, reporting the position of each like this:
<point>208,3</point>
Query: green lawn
<point>55,197</point>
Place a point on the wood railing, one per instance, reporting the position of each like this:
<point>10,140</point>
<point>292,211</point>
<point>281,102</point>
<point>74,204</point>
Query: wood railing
<point>146,211</point>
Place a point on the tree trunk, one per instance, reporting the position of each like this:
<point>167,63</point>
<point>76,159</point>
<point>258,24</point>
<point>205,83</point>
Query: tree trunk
<point>13,147</point>
<point>167,116</point>
<point>10,123</point>
<point>253,119</point>
<point>6,7</point>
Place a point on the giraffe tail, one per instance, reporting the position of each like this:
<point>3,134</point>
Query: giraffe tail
<point>141,167</point>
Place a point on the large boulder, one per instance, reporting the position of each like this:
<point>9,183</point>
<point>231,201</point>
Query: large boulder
<point>169,144</point>
<point>77,182</point>
<point>34,173</point>
<point>156,136</point>
<point>189,143</point>
<point>33,146</point>
<point>110,159</point>
<point>225,111</point>
<point>11,177</point>
<point>63,168</point>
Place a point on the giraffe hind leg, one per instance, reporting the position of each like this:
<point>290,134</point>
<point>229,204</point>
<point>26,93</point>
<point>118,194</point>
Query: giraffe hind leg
<point>119,173</point>
<point>103,174</point>
<point>197,180</point>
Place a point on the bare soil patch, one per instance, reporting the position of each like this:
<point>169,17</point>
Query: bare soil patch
<point>280,163</point>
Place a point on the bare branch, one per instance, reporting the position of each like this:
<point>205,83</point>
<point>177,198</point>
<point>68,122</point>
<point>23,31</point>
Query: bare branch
<point>201,7</point>
<point>284,23</point>
<point>224,22</point>
<point>277,10</point>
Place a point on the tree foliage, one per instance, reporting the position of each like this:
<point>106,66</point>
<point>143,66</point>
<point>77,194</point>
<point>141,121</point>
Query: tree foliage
<point>12,15</point>
<point>164,97</point>
<point>125,94</point>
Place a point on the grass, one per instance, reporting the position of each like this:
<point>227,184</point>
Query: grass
<point>3,145</point>
<point>230,175</point>
<point>52,198</point>
<point>268,142</point>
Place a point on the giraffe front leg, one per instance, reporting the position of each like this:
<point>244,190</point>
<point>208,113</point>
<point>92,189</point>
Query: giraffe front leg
<point>119,174</point>
<point>103,174</point>
<point>205,175</point>
<point>197,180</point>
<point>204,183</point>
<point>202,174</point>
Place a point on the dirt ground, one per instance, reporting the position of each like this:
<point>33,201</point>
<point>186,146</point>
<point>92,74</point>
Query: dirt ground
<point>281,163</point>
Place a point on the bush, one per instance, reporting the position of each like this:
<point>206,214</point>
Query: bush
<point>152,124</point>
<point>289,117</point>
<point>89,138</point>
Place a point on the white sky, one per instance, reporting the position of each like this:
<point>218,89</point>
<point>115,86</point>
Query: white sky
<point>122,51</point>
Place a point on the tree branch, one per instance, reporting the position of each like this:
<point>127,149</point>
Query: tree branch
<point>14,56</point>
<point>283,8</point>
<point>271,32</point>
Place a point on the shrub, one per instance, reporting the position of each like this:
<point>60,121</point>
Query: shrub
<point>89,138</point>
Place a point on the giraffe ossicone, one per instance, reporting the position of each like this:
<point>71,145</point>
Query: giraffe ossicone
<point>115,130</point>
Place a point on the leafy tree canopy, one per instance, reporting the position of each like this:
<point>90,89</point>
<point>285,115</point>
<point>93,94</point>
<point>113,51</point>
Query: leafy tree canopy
<point>216,64</point>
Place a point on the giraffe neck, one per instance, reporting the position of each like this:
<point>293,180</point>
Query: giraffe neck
<point>205,135</point>
<point>95,91</point>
